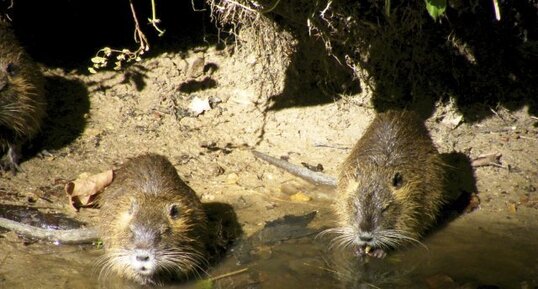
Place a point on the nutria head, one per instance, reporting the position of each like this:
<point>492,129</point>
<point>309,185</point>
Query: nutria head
<point>152,224</point>
<point>391,186</point>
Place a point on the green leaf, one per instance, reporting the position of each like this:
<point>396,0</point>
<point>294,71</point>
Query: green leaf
<point>436,8</point>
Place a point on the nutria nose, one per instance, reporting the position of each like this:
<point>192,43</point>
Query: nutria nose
<point>365,238</point>
<point>142,258</point>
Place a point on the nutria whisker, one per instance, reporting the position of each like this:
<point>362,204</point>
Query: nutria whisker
<point>179,261</point>
<point>344,237</point>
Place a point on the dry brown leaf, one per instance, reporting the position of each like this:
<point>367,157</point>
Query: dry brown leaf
<point>83,191</point>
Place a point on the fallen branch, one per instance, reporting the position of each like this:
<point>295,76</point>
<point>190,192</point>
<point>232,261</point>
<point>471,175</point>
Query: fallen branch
<point>228,274</point>
<point>492,159</point>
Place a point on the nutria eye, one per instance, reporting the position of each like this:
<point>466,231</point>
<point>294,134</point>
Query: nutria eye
<point>174,212</point>
<point>385,208</point>
<point>397,180</point>
<point>11,69</point>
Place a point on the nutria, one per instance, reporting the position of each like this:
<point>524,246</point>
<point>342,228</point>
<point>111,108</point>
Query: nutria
<point>151,222</point>
<point>22,100</point>
<point>390,188</point>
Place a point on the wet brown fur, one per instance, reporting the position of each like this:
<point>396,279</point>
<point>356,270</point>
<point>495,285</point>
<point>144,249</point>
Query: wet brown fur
<point>395,142</point>
<point>22,97</point>
<point>141,194</point>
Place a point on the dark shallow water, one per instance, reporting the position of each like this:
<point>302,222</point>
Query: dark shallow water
<point>473,251</point>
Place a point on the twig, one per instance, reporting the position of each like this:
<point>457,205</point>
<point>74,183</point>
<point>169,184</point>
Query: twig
<point>240,5</point>
<point>492,159</point>
<point>500,130</point>
<point>534,117</point>
<point>71,236</point>
<point>497,114</point>
<point>320,145</point>
<point>528,137</point>
<point>138,34</point>
<point>228,274</point>
<point>196,9</point>
<point>322,13</point>
<point>323,268</point>
<point>271,8</point>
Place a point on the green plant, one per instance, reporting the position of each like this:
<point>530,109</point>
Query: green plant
<point>436,8</point>
<point>119,57</point>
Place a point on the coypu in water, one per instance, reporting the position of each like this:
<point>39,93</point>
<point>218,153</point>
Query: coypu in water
<point>390,188</point>
<point>22,99</point>
<point>152,224</point>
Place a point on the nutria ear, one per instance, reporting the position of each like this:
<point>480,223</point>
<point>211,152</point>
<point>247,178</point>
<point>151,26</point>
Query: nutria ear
<point>174,211</point>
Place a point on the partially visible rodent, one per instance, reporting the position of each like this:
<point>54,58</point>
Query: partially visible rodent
<point>152,224</point>
<point>22,99</point>
<point>390,188</point>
